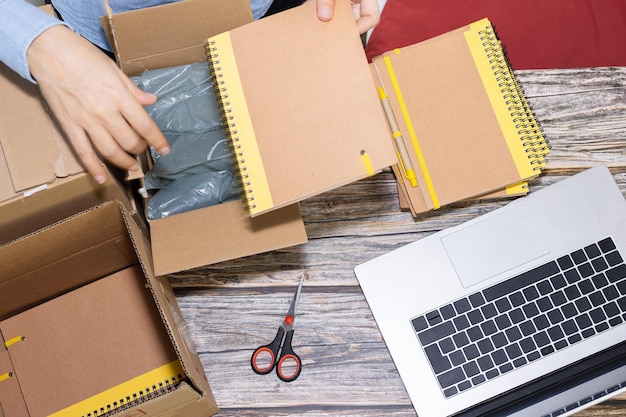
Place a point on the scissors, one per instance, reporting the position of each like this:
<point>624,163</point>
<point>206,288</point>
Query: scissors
<point>288,364</point>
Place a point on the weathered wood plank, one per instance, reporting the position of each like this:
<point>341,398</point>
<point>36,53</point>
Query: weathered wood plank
<point>583,114</point>
<point>313,411</point>
<point>345,361</point>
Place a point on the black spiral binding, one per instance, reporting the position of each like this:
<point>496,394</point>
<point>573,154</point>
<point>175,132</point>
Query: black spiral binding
<point>530,132</point>
<point>229,123</point>
<point>134,399</point>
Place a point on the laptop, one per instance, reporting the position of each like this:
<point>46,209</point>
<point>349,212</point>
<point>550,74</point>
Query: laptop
<point>518,312</point>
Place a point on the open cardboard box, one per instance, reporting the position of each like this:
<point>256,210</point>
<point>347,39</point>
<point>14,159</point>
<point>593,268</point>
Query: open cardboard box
<point>41,181</point>
<point>86,320</point>
<point>224,231</point>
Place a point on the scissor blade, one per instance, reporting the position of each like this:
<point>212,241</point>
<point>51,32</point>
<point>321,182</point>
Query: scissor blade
<point>294,301</point>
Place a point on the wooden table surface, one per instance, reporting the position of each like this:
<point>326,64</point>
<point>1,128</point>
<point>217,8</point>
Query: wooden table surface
<point>233,307</point>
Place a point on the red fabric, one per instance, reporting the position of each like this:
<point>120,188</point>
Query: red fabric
<point>537,34</point>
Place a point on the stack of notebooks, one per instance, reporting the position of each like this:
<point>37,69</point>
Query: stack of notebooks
<point>306,112</point>
<point>463,128</point>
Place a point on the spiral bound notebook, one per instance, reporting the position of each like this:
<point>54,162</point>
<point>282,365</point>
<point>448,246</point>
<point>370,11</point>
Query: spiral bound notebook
<point>99,348</point>
<point>300,105</point>
<point>463,117</point>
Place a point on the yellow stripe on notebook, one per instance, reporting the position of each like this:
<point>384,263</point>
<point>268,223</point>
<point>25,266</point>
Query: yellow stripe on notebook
<point>369,167</point>
<point>500,104</point>
<point>412,134</point>
<point>517,188</point>
<point>242,135</point>
<point>162,375</point>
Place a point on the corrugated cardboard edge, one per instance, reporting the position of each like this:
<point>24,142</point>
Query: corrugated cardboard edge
<point>164,299</point>
<point>137,50</point>
<point>183,401</point>
<point>21,215</point>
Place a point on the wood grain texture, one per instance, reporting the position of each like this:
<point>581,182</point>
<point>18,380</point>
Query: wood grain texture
<point>234,306</point>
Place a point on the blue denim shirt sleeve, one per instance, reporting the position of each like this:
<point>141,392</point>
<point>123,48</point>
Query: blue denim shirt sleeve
<point>20,24</point>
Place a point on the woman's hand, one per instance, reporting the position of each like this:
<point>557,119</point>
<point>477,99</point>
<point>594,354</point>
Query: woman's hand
<point>366,12</point>
<point>98,107</point>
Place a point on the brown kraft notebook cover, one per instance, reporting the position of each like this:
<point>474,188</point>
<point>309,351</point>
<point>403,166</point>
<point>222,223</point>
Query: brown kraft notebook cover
<point>300,104</point>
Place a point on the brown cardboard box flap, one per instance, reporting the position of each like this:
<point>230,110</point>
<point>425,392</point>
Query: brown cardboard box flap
<point>33,151</point>
<point>23,215</point>
<point>138,49</point>
<point>62,257</point>
<point>165,299</point>
<point>230,234</point>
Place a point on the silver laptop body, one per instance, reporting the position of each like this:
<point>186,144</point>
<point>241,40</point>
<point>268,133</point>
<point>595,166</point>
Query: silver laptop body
<point>466,346</point>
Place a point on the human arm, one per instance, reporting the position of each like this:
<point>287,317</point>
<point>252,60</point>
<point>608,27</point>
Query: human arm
<point>366,12</point>
<point>20,24</point>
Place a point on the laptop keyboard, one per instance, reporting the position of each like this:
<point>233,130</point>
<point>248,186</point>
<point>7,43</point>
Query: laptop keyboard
<point>517,321</point>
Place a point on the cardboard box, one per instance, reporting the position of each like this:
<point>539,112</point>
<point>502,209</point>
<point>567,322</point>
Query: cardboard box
<point>224,231</point>
<point>86,320</point>
<point>41,181</point>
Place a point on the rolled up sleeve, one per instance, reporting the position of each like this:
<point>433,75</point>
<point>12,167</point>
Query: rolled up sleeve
<point>20,24</point>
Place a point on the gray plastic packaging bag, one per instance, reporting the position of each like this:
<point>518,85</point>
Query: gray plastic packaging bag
<point>192,192</point>
<point>198,171</point>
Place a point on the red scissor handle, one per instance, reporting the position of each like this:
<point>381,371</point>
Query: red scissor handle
<point>259,357</point>
<point>263,351</point>
<point>288,366</point>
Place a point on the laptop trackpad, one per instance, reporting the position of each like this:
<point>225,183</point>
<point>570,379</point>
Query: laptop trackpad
<point>495,245</point>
